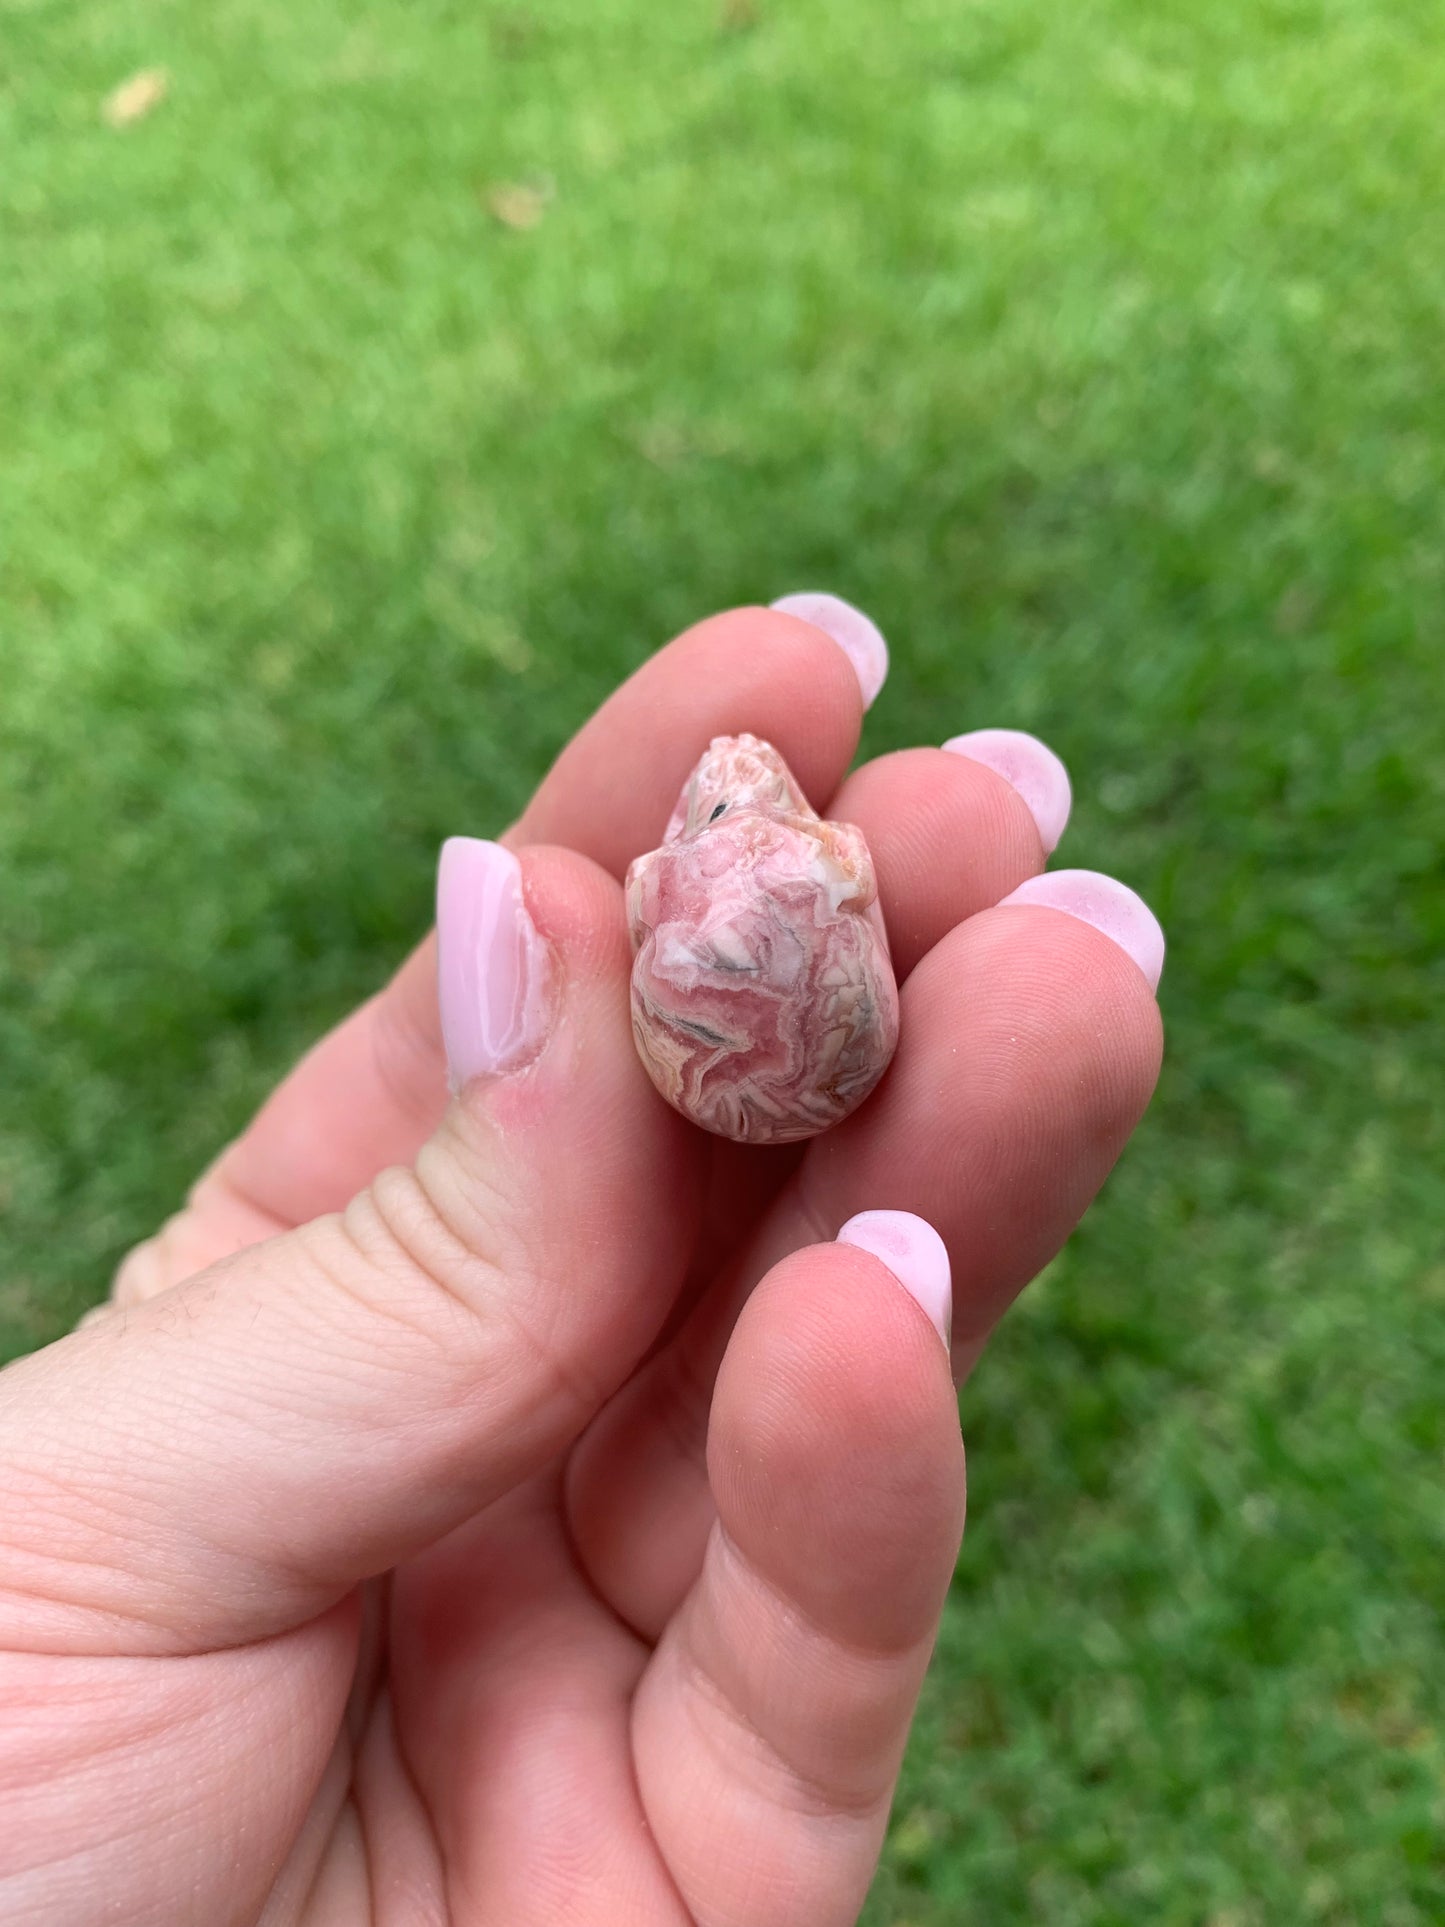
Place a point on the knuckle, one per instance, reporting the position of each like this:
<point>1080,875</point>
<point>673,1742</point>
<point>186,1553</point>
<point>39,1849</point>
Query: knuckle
<point>449,1270</point>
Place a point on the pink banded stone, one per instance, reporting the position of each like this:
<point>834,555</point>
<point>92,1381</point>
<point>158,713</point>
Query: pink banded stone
<point>763,999</point>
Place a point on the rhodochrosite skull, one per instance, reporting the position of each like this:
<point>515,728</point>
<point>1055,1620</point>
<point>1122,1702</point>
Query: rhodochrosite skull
<point>763,1000</point>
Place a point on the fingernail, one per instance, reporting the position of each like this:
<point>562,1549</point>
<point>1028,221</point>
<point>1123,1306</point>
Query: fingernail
<point>860,640</point>
<point>914,1253</point>
<point>1111,907</point>
<point>1033,769</point>
<point>492,966</point>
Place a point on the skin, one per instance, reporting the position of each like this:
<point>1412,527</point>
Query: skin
<point>516,1510</point>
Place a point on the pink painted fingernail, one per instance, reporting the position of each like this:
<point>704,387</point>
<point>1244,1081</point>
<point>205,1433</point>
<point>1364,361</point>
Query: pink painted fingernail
<point>1033,769</point>
<point>914,1253</point>
<point>1111,907</point>
<point>860,640</point>
<point>492,965</point>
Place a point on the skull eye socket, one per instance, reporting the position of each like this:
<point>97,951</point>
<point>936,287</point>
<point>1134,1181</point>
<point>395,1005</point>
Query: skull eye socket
<point>717,812</point>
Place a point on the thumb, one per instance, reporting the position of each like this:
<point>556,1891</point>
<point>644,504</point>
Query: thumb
<point>233,1455</point>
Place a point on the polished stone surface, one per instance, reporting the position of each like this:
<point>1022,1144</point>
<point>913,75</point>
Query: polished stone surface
<point>763,999</point>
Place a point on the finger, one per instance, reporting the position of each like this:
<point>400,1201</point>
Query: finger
<point>231,1456</point>
<point>373,1090</point>
<point>779,1699</point>
<point>949,837</point>
<point>612,789</point>
<point>1029,1046</point>
<point>1036,1051</point>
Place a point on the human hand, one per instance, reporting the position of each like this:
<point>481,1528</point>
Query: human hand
<point>519,1510</point>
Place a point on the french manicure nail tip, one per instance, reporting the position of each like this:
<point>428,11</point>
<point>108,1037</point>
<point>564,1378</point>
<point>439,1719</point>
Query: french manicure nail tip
<point>914,1253</point>
<point>860,639</point>
<point>1033,770</point>
<point>1110,906</point>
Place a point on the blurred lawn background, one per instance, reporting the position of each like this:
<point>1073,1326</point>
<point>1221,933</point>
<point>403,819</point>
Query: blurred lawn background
<point>373,403</point>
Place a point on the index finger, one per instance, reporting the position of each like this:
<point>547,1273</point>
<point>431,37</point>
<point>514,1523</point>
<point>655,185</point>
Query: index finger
<point>800,687</point>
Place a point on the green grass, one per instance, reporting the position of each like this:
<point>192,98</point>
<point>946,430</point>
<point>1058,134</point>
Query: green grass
<point>1096,350</point>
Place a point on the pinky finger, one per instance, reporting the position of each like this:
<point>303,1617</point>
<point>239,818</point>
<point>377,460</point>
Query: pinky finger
<point>769,1727</point>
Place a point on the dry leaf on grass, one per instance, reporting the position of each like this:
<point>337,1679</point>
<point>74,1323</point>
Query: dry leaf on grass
<point>134,98</point>
<point>516,204</point>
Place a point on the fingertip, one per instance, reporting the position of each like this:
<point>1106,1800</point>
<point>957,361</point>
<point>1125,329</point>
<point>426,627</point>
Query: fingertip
<point>914,1254</point>
<point>857,635</point>
<point>1031,768</point>
<point>1110,906</point>
<point>948,840</point>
